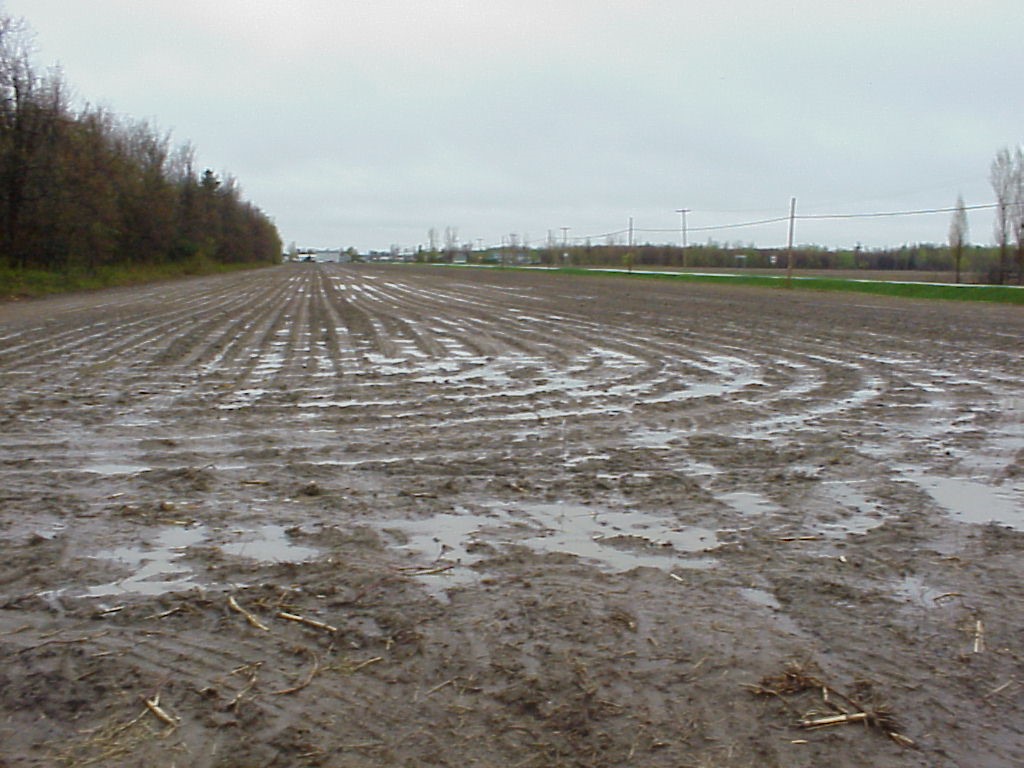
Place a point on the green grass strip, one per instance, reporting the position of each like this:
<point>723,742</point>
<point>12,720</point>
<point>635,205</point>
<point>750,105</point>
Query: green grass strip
<point>35,283</point>
<point>1005,294</point>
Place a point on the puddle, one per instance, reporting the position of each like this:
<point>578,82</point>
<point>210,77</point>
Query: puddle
<point>748,503</point>
<point>760,597</point>
<point>442,540</point>
<point>697,468</point>
<point>619,540</point>
<point>156,566</point>
<point>810,418</point>
<point>971,501</point>
<point>859,513</point>
<point>268,544</point>
<point>615,541</point>
<point>584,458</point>
<point>43,526</point>
<point>914,590</point>
<point>242,398</point>
<point>652,438</point>
<point>111,468</point>
<point>996,453</point>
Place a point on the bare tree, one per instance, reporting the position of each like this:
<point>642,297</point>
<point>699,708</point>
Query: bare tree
<point>1001,177</point>
<point>1016,212</point>
<point>451,239</point>
<point>958,234</point>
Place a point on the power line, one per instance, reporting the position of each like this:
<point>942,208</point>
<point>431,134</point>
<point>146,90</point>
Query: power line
<point>779,219</point>
<point>824,216</point>
<point>881,214</point>
<point>736,225</point>
<point>616,233</point>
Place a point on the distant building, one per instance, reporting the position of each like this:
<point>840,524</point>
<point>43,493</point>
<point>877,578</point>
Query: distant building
<point>320,255</point>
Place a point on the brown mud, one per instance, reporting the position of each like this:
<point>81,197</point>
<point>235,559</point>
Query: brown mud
<point>365,516</point>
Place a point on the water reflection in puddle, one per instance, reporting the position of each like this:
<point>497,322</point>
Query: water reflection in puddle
<point>41,526</point>
<point>158,566</point>
<point>748,502</point>
<point>697,468</point>
<point>615,541</point>
<point>974,502</point>
<point>859,513</point>
<point>761,597</point>
<point>653,438</point>
<point>111,468</point>
<point>619,540</point>
<point>916,591</point>
<point>269,544</point>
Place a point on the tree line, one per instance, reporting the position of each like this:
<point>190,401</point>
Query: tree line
<point>82,190</point>
<point>981,262</point>
<point>1000,264</point>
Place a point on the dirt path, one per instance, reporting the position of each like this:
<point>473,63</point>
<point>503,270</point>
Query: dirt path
<point>319,515</point>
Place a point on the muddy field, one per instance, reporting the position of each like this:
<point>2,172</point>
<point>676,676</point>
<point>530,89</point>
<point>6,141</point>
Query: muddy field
<point>329,516</point>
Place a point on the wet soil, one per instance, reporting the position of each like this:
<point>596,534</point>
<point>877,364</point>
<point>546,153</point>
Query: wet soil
<point>369,516</point>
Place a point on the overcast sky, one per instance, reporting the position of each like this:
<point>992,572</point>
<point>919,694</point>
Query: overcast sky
<point>367,122</point>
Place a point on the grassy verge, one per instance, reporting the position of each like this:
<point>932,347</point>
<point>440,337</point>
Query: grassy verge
<point>33,283</point>
<point>991,293</point>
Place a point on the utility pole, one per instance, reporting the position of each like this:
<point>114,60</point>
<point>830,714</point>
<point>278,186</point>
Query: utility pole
<point>682,230</point>
<point>565,245</point>
<point>789,244</point>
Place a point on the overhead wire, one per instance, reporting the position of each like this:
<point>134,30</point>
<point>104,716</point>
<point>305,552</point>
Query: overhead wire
<point>881,214</point>
<point>812,216</point>
<point>779,219</point>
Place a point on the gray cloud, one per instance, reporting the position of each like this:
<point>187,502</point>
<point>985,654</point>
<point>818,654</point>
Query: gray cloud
<point>366,123</point>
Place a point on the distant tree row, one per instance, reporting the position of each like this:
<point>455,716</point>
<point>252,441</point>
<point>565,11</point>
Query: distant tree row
<point>83,190</point>
<point>1003,263</point>
<point>980,261</point>
<point>931,258</point>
